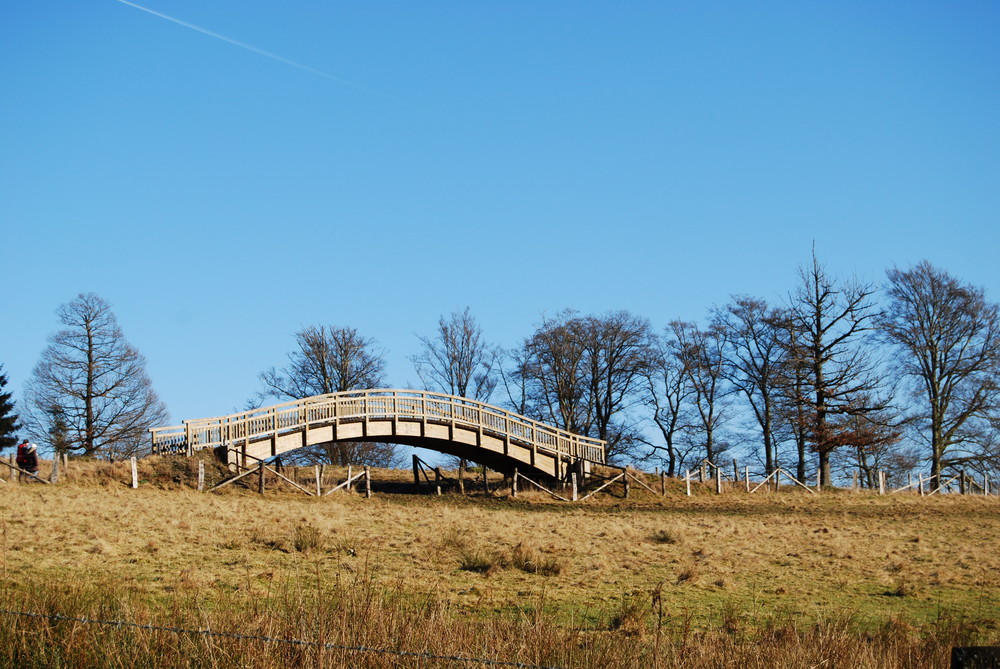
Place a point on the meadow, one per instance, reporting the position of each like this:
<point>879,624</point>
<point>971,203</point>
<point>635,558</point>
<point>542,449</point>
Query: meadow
<point>775,578</point>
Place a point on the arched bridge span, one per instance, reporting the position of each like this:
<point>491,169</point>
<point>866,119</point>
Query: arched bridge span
<point>449,424</point>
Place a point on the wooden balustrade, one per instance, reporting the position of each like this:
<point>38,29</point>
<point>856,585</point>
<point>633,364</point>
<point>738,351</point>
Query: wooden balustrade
<point>380,404</point>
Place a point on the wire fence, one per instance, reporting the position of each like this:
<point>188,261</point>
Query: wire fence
<point>121,624</point>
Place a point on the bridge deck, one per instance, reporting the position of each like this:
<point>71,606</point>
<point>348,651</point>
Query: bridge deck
<point>446,423</point>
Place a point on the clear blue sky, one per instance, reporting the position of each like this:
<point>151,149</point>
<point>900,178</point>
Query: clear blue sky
<point>384,163</point>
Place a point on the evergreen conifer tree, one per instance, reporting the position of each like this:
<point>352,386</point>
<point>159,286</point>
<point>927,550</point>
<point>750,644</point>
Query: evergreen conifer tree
<point>8,419</point>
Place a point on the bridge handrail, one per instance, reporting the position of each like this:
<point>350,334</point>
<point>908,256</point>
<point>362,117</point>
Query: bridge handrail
<point>198,434</point>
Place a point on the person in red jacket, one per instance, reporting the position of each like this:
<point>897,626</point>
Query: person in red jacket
<point>27,457</point>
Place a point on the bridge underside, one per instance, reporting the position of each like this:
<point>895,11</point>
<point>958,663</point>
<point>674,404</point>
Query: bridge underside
<point>498,452</point>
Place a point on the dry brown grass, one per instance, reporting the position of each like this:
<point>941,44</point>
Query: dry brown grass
<point>739,566</point>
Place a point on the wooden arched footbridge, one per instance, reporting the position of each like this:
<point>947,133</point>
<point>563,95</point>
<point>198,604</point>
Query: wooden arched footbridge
<point>458,426</point>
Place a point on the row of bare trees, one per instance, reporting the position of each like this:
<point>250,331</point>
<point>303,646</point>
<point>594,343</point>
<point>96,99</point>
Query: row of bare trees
<point>834,374</point>
<point>838,373</point>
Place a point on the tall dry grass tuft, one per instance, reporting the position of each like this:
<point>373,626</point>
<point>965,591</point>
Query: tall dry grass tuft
<point>411,630</point>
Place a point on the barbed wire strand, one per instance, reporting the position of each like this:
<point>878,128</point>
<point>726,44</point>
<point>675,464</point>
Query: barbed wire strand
<point>284,640</point>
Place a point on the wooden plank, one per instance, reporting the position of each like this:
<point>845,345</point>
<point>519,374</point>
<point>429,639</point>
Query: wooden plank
<point>543,488</point>
<point>285,478</point>
<point>639,481</point>
<point>345,484</point>
<point>15,470</point>
<point>603,486</point>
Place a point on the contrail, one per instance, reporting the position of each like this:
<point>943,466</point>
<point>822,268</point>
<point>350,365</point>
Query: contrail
<point>251,47</point>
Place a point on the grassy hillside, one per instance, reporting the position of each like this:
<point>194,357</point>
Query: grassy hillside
<point>606,582</point>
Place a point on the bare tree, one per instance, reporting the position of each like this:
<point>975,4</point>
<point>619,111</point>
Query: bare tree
<point>93,383</point>
<point>618,350</point>
<point>833,321</point>
<point>331,359</point>
<point>584,374</point>
<point>792,399</point>
<point>457,360</point>
<point>949,337</point>
<point>669,390</point>
<point>753,359</point>
<point>701,352</point>
<point>555,374</point>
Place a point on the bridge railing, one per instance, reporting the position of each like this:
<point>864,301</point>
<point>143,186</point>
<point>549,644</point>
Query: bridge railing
<point>195,435</point>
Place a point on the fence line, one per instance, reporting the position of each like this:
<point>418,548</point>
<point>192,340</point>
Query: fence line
<point>284,640</point>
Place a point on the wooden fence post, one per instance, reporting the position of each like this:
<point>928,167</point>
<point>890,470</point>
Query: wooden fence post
<point>260,477</point>
<point>736,471</point>
<point>54,476</point>
<point>201,476</point>
<point>663,483</point>
<point>513,484</point>
<point>572,482</point>
<point>135,474</point>
<point>65,462</point>
<point>746,477</point>
<point>625,479</point>
<point>687,481</point>
<point>368,482</point>
<point>881,482</point>
<point>319,479</point>
<point>350,484</point>
<point>818,479</point>
<point>920,484</point>
<point>718,480</point>
<point>986,483</point>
